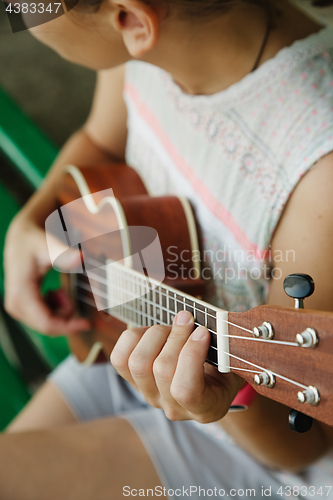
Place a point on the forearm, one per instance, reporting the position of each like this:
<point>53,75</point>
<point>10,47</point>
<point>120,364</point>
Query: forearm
<point>79,150</point>
<point>26,255</point>
<point>263,432</point>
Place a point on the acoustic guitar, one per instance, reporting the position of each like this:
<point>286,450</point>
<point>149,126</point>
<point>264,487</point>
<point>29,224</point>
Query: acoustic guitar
<point>286,354</point>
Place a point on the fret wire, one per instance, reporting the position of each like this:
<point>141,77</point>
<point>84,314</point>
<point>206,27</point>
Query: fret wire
<point>194,311</point>
<point>142,306</point>
<point>156,306</point>
<point>168,306</point>
<point>154,301</point>
<point>152,306</point>
<point>145,308</point>
<point>159,305</point>
<point>135,314</point>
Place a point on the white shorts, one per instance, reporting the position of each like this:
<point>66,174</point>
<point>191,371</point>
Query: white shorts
<point>192,460</point>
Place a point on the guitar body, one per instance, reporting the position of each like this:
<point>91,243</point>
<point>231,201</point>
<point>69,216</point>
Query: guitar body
<point>170,216</point>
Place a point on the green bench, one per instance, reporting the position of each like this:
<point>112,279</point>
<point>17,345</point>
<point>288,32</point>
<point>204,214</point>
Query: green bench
<point>25,355</point>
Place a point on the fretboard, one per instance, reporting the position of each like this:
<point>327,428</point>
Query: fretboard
<point>138,300</point>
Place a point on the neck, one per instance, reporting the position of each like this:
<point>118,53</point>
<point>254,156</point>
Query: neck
<point>207,57</point>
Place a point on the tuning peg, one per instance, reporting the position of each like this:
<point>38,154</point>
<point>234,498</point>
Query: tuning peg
<point>298,422</point>
<point>299,286</point>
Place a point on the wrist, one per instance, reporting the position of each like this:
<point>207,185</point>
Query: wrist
<point>22,222</point>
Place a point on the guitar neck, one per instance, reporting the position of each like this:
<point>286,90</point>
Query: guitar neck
<point>139,300</point>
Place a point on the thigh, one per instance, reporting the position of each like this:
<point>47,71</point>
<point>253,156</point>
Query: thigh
<point>95,460</point>
<point>46,409</point>
<point>76,392</point>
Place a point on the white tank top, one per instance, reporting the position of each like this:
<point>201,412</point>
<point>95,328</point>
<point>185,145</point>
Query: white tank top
<point>236,155</point>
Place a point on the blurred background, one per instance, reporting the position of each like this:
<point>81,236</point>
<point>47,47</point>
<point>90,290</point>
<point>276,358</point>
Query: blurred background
<point>43,100</point>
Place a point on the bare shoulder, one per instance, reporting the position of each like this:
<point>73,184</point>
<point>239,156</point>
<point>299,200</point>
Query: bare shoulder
<point>304,236</point>
<point>106,124</point>
<point>311,200</point>
<point>304,241</point>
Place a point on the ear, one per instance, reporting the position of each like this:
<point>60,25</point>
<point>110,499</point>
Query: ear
<point>138,24</point>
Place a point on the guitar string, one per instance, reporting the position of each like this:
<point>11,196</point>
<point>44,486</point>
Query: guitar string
<point>145,301</point>
<point>256,371</point>
<point>260,368</point>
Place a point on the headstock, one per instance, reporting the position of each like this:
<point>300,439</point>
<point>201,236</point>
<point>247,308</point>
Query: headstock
<point>287,354</point>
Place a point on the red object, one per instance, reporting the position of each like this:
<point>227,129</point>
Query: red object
<point>244,398</point>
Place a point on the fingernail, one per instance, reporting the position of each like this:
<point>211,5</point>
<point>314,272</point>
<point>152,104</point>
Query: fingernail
<point>199,334</point>
<point>183,318</point>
